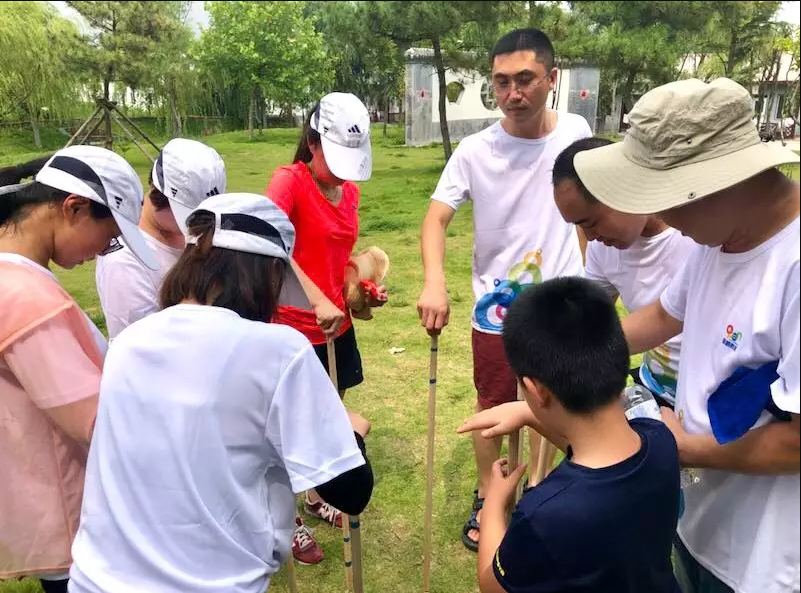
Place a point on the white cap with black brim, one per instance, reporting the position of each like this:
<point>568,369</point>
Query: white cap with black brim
<point>254,224</point>
<point>104,177</point>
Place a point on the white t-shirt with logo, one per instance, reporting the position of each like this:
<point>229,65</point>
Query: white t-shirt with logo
<point>208,426</point>
<point>741,309</point>
<point>639,274</point>
<point>519,236</point>
<point>128,289</point>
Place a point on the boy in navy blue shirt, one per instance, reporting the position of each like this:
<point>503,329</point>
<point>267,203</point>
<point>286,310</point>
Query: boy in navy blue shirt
<point>603,521</point>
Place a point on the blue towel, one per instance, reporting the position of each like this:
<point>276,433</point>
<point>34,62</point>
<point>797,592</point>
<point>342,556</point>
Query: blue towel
<point>739,401</point>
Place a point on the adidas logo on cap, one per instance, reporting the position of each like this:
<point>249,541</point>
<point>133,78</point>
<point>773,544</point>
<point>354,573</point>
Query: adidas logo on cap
<point>355,130</point>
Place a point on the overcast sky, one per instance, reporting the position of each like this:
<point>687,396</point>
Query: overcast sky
<point>199,18</point>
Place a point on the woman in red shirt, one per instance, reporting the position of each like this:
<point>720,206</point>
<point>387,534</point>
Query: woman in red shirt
<point>318,194</point>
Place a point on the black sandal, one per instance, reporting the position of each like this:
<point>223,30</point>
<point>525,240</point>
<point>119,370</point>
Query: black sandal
<point>472,523</point>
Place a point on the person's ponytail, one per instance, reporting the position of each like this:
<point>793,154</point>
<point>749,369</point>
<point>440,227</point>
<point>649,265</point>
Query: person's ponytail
<point>308,137</point>
<point>15,196</point>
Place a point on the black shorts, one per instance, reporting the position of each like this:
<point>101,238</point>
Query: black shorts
<point>349,361</point>
<point>635,375</point>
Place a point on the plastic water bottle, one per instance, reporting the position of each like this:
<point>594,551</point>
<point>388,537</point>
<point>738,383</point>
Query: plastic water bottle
<point>639,402</point>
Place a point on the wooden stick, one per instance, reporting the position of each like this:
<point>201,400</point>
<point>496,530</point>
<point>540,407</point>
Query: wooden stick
<point>351,536</point>
<point>83,126</point>
<point>432,411</point>
<point>542,460</point>
<point>93,129</point>
<point>514,452</point>
<point>130,136</point>
<point>135,127</point>
<point>290,573</point>
<point>356,552</point>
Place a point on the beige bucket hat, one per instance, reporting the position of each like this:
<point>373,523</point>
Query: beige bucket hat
<point>688,139</point>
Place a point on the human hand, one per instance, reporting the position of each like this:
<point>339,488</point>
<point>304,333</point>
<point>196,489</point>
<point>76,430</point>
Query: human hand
<point>434,308</point>
<point>329,317</point>
<point>501,489</point>
<point>379,299</point>
<point>499,420</point>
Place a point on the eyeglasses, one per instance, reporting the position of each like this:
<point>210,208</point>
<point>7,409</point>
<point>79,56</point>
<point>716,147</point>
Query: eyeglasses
<point>114,245</point>
<point>523,84</point>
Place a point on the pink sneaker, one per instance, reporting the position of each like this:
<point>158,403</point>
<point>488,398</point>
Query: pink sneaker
<point>304,548</point>
<point>323,510</point>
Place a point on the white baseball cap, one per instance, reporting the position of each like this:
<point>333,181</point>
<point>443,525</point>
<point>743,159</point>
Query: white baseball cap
<point>102,176</point>
<point>254,224</point>
<point>343,123</point>
<point>187,172</point>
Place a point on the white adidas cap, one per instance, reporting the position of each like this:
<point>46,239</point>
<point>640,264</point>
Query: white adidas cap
<point>254,224</point>
<point>105,177</point>
<point>344,126</point>
<point>187,172</point>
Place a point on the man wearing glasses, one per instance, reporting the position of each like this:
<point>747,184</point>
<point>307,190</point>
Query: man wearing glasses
<point>519,236</point>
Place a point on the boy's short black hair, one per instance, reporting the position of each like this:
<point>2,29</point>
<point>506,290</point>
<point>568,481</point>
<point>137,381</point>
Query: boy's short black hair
<point>565,170</point>
<point>523,40</point>
<point>566,334</point>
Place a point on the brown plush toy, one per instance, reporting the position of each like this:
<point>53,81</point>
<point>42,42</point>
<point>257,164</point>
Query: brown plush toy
<point>366,270</point>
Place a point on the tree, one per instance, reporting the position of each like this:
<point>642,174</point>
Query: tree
<point>737,32</point>
<point>34,75</point>
<point>366,64</point>
<point>792,104</point>
<point>125,42</point>
<point>268,49</point>
<point>433,22</point>
<point>638,42</point>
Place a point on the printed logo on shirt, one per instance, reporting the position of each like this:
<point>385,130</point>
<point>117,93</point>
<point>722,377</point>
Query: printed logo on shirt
<point>492,307</point>
<point>732,338</point>
<point>501,571</point>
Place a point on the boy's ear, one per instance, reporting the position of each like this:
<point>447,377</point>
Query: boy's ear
<point>537,394</point>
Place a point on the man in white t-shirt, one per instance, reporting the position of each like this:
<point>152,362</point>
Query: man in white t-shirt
<point>630,255</point>
<point>520,238</point>
<point>693,156</point>
<point>185,173</point>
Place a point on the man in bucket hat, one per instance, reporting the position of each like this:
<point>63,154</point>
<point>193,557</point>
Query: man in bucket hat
<point>693,157</point>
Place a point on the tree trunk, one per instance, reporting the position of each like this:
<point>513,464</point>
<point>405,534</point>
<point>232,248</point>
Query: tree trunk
<point>386,114</point>
<point>443,99</point>
<point>176,116</point>
<point>37,137</point>
<point>628,89</point>
<point>251,113</point>
<point>777,56</point>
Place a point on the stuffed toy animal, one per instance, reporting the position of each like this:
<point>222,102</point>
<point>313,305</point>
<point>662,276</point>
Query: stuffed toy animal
<point>364,274</point>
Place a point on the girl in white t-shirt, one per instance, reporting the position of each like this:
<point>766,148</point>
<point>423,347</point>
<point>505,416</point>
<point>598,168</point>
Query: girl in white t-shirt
<point>631,256</point>
<point>51,355</point>
<point>201,440</point>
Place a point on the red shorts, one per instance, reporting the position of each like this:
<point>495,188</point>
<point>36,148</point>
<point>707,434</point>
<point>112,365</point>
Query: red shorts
<point>495,381</point>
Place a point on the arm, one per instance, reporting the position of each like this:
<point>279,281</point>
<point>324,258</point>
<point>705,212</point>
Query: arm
<point>433,306</point>
<point>506,555</point>
<point>508,418</point>
<point>350,492</point>
<point>774,449</point>
<point>453,190</point>
<point>313,434</point>
<point>329,317</point>
<point>493,530</point>
<point>650,327</point>
<point>60,379</point>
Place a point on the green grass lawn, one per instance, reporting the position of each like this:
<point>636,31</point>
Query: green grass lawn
<point>394,394</point>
